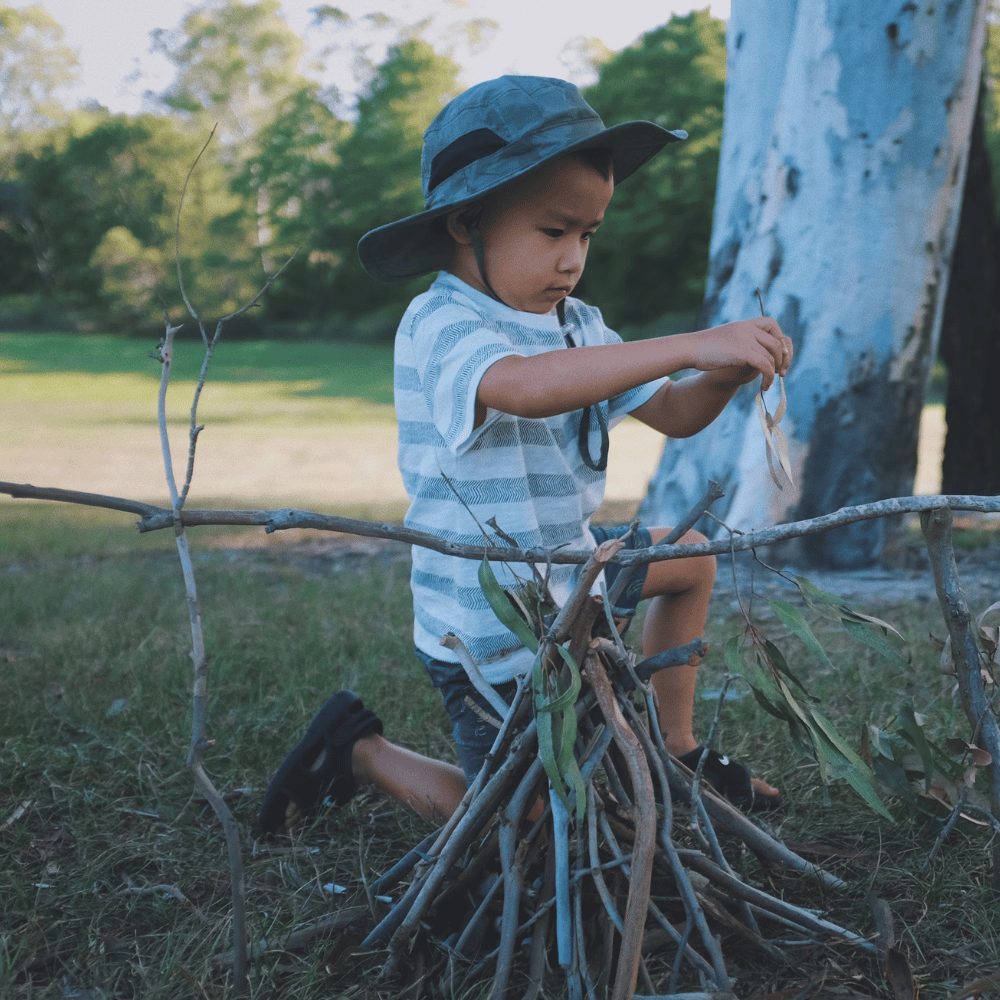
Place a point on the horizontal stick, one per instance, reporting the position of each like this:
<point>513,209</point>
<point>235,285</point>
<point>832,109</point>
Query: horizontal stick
<point>156,518</point>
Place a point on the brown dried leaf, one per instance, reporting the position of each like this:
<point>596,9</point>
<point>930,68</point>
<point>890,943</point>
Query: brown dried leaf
<point>991,616</point>
<point>900,976</point>
<point>776,445</point>
<point>977,755</point>
<point>946,663</point>
<point>782,407</point>
<point>978,988</point>
<point>885,929</point>
<point>988,627</point>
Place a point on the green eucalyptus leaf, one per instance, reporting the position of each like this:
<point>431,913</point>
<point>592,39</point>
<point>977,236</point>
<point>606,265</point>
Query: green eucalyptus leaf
<point>732,654</point>
<point>502,608</point>
<point>567,698</point>
<point>776,658</point>
<point>873,639</point>
<point>795,622</point>
<point>574,779</point>
<point>547,755</point>
<point>907,724</point>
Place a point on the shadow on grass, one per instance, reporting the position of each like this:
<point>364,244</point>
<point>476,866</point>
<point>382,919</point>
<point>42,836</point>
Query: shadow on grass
<point>329,368</point>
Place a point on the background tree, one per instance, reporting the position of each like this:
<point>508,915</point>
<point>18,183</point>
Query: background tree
<point>844,152</point>
<point>377,178</point>
<point>35,69</point>
<point>297,154</point>
<point>235,63</point>
<point>649,258</point>
<point>238,66</point>
<point>125,173</point>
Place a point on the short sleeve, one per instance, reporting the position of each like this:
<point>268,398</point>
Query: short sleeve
<point>452,349</point>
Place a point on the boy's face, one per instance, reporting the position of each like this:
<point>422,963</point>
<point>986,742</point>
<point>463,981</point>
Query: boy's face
<point>536,234</point>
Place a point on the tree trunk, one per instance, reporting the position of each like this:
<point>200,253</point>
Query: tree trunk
<point>970,338</point>
<point>843,159</point>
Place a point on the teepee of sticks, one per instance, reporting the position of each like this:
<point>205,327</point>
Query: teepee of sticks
<point>583,846</point>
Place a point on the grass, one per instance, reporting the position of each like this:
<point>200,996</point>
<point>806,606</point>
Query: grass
<point>114,877</point>
<point>112,871</point>
<point>284,421</point>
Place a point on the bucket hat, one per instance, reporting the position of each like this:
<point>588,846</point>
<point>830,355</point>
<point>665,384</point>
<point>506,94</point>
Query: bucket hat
<point>488,136</point>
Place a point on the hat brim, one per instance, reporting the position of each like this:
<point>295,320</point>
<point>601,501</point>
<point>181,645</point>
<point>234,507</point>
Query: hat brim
<point>412,246</point>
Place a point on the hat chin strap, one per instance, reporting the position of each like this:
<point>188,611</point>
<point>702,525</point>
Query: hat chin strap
<point>600,463</point>
<point>476,240</point>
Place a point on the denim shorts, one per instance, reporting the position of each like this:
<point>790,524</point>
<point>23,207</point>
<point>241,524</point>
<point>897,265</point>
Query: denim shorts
<point>471,729</point>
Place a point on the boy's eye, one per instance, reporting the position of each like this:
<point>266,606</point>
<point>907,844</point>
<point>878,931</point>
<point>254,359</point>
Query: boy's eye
<point>554,233</point>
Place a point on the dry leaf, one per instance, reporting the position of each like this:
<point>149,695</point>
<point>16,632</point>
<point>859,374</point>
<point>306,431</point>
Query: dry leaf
<point>900,976</point>
<point>977,755</point>
<point>978,988</point>
<point>776,444</point>
<point>946,663</point>
<point>884,925</point>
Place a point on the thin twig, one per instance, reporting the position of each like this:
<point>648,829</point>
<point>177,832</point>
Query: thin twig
<point>177,234</point>
<point>199,660</point>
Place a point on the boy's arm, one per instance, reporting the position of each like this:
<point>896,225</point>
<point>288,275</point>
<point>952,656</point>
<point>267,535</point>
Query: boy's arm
<point>682,408</point>
<point>561,381</point>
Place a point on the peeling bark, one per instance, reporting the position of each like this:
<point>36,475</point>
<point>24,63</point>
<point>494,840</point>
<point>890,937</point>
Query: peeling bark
<point>843,159</point>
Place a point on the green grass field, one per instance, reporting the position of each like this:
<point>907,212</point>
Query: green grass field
<point>112,870</point>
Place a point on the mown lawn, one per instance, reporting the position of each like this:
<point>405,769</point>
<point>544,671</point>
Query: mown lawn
<point>113,877</point>
<point>286,422</point>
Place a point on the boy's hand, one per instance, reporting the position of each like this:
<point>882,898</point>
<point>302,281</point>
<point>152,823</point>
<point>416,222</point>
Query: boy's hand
<point>736,353</point>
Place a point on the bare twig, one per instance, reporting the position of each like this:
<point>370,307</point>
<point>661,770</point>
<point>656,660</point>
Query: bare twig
<point>965,651</point>
<point>198,744</point>
<point>177,234</point>
<point>157,518</point>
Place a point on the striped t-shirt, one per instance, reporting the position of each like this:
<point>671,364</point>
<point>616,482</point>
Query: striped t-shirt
<point>525,472</point>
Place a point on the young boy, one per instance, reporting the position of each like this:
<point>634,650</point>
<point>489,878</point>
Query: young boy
<point>505,387</point>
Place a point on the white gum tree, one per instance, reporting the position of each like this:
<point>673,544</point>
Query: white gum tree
<point>845,140</point>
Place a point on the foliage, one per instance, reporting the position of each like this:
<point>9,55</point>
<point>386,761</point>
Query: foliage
<point>131,276</point>
<point>294,169</point>
<point>651,252</point>
<point>235,62</point>
<point>128,172</point>
<point>377,178</point>
<point>35,66</point>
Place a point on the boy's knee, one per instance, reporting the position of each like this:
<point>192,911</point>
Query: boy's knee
<point>697,573</point>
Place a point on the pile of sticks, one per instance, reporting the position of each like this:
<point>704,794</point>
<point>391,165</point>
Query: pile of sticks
<point>633,890</point>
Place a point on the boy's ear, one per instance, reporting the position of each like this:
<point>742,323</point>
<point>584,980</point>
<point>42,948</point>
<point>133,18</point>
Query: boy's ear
<point>462,221</point>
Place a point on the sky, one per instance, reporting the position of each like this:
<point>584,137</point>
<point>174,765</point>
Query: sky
<point>111,37</point>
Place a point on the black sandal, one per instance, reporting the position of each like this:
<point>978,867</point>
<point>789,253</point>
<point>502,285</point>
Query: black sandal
<point>338,725</point>
<point>731,780</point>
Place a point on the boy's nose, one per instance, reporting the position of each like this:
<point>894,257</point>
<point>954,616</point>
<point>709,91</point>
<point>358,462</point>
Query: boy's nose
<point>572,259</point>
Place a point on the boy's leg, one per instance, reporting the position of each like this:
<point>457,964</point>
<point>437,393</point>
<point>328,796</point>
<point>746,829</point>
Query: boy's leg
<point>679,591</point>
<point>431,788</point>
